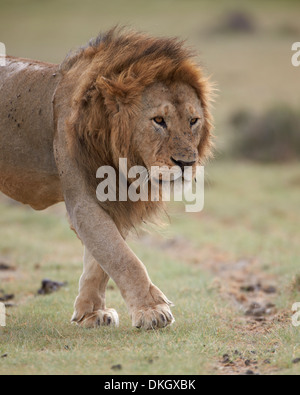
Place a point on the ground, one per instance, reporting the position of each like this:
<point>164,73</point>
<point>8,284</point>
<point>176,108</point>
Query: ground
<point>242,249</point>
<point>232,271</point>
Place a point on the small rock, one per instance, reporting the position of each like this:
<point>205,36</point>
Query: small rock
<point>256,312</point>
<point>295,361</point>
<point>10,305</point>
<point>251,288</point>
<point>6,267</point>
<point>260,319</point>
<point>248,288</point>
<point>49,287</point>
<point>255,305</point>
<point>226,358</point>
<point>227,361</point>
<point>270,306</point>
<point>4,297</point>
<point>3,267</point>
<point>270,290</point>
<point>117,367</point>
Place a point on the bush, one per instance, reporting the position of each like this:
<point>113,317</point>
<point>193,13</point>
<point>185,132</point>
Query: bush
<point>271,137</point>
<point>236,22</point>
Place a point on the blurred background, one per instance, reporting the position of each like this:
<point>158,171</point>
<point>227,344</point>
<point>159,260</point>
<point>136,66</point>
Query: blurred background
<point>248,233</point>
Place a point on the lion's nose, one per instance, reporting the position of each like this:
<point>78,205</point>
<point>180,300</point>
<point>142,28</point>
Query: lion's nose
<point>182,164</point>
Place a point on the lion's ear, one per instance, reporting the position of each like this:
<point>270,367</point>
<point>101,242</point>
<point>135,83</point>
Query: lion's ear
<point>107,89</point>
<point>117,93</point>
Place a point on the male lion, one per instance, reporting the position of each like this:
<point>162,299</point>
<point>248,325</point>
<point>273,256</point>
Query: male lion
<point>124,95</point>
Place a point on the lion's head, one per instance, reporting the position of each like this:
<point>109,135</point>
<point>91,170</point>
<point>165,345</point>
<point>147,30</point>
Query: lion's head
<point>168,129</point>
<point>139,98</point>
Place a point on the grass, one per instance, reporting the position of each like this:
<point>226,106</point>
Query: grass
<point>39,330</point>
<point>242,220</point>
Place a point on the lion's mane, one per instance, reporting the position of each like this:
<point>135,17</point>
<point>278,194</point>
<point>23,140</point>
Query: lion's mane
<point>110,74</point>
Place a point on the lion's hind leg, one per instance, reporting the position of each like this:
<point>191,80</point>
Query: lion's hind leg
<point>90,309</point>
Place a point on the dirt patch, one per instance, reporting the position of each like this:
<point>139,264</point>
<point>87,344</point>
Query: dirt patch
<point>239,364</point>
<point>251,291</point>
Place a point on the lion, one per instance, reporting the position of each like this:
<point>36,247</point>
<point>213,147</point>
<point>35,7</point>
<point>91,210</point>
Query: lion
<point>124,95</point>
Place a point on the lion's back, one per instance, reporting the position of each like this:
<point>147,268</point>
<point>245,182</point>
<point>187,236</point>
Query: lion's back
<point>26,126</point>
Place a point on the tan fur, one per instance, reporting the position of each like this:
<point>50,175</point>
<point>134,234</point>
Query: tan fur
<point>59,124</point>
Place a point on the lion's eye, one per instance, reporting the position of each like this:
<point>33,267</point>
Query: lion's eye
<point>194,121</point>
<point>160,121</point>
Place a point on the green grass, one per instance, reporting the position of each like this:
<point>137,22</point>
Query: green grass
<point>248,215</point>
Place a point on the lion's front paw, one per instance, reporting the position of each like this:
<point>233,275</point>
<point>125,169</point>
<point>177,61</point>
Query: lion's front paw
<point>107,317</point>
<point>156,317</point>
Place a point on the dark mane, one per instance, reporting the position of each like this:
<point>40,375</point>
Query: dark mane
<point>73,56</point>
<point>139,45</point>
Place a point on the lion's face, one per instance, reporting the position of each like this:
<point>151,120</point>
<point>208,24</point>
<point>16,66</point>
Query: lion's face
<point>167,131</point>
